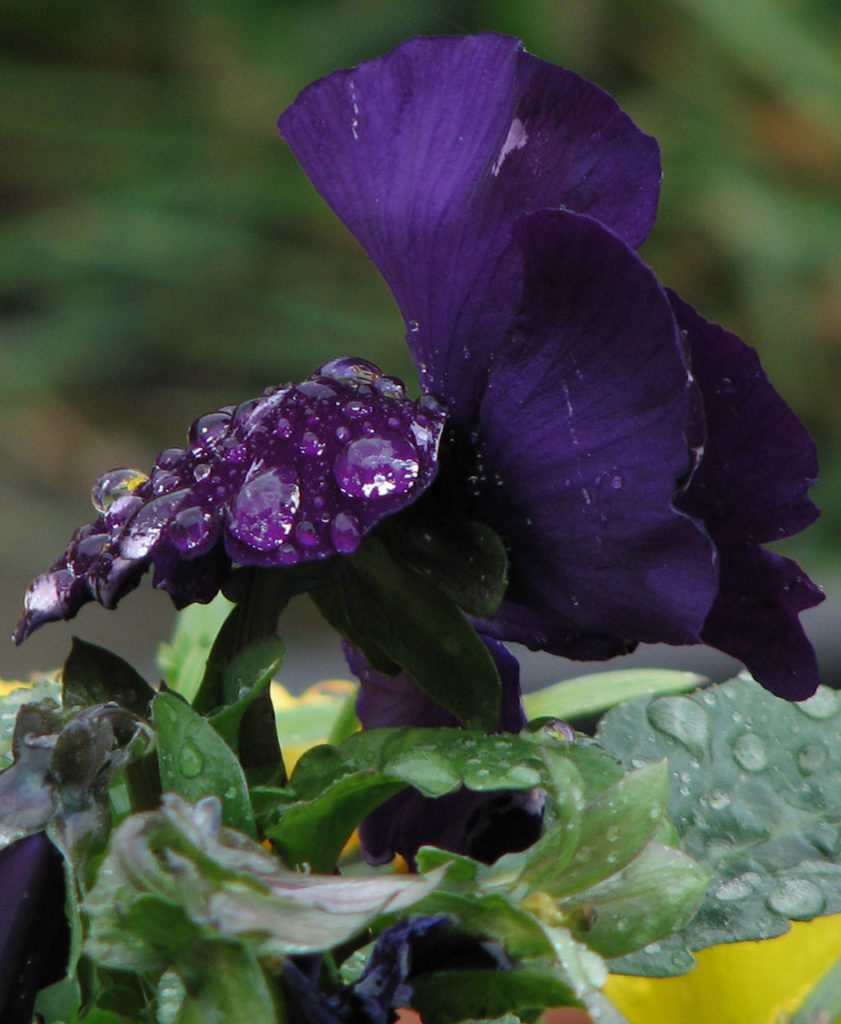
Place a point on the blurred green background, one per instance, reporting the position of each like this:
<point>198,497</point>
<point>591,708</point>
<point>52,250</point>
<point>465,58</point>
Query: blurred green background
<point>162,253</point>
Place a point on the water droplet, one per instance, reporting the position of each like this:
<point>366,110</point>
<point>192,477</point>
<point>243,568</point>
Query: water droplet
<point>414,326</point>
<point>191,528</point>
<point>207,431</point>
<point>144,529</point>
<point>523,775</point>
<point>824,704</point>
<point>811,758</point>
<point>190,761</point>
<point>683,720</point>
<point>718,799</point>
<point>345,533</point>
<point>170,997</point>
<point>342,434</point>
<point>797,899</point>
<point>355,409</point>
<point>283,427</point>
<point>307,535</point>
<point>264,510</point>
<point>735,888</point>
<point>311,444</point>
<point>316,389</point>
<point>113,485</point>
<point>201,471</point>
<point>750,753</point>
<point>372,467</point>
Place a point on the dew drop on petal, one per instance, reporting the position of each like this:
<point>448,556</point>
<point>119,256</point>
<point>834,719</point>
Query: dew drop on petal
<point>373,467</point>
<point>191,528</point>
<point>345,533</point>
<point>307,535</point>
<point>144,529</point>
<point>263,512</point>
<point>113,485</point>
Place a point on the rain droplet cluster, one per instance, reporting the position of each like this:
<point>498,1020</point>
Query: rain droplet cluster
<point>299,474</point>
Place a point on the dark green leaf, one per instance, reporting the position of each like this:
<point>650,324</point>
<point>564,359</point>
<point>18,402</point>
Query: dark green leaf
<point>756,800</point>
<point>448,997</point>
<point>313,832</point>
<point>94,675</point>
<point>195,761</point>
<point>466,559</point>
<point>245,677</point>
<point>408,618</point>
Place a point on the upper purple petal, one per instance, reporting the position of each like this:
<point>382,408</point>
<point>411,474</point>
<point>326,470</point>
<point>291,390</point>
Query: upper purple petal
<point>429,155</point>
<point>582,443</point>
<point>298,475</point>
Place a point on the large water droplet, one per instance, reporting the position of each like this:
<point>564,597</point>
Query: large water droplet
<point>683,720</point>
<point>373,467</point>
<point>797,899</point>
<point>190,761</point>
<point>144,529</point>
<point>207,431</point>
<point>824,704</point>
<point>264,510</point>
<point>346,369</point>
<point>113,485</point>
<point>191,528</point>
<point>718,799</point>
<point>750,753</point>
<point>736,888</point>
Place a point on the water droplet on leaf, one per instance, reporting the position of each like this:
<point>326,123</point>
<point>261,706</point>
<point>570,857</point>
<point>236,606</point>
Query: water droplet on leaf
<point>750,753</point>
<point>797,899</point>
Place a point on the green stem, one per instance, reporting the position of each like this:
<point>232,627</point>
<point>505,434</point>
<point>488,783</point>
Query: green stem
<point>823,1004</point>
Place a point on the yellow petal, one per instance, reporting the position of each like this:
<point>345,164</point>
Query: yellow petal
<point>737,983</point>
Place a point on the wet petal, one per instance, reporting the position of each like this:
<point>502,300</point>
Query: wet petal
<point>758,460</point>
<point>34,936</point>
<point>300,474</point>
<point>430,154</point>
<point>581,445</point>
<point>755,619</point>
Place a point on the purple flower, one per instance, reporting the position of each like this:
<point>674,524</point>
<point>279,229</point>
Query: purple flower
<point>34,934</point>
<point>631,457</point>
<point>482,825</point>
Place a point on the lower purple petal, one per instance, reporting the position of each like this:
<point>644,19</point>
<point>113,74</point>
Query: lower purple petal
<point>755,619</point>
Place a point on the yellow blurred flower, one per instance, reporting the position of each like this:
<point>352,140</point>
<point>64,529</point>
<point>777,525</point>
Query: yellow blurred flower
<point>739,983</point>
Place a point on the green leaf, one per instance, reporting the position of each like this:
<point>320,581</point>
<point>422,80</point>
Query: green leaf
<point>245,678</point>
<point>447,997</point>
<point>225,985</point>
<point>195,761</point>
<point>755,799</point>
<point>94,675</point>
<point>407,617</point>
<point>313,832</point>
<point>182,660</point>
<point>656,894</point>
<point>614,829</point>
<point>173,874</point>
<point>466,559</point>
<point>592,694</point>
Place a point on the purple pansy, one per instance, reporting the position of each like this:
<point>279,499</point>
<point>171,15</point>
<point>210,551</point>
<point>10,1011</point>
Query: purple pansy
<point>631,457</point>
<point>34,934</point>
<point>482,825</point>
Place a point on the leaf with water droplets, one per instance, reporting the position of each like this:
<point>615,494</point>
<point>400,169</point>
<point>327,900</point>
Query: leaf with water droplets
<point>195,761</point>
<point>756,799</point>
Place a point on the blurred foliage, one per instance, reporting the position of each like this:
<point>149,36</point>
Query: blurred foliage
<point>161,252</point>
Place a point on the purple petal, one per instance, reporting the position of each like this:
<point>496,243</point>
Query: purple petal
<point>582,443</point>
<point>301,474</point>
<point>34,936</point>
<point>755,619</point>
<point>758,460</point>
<point>429,155</point>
